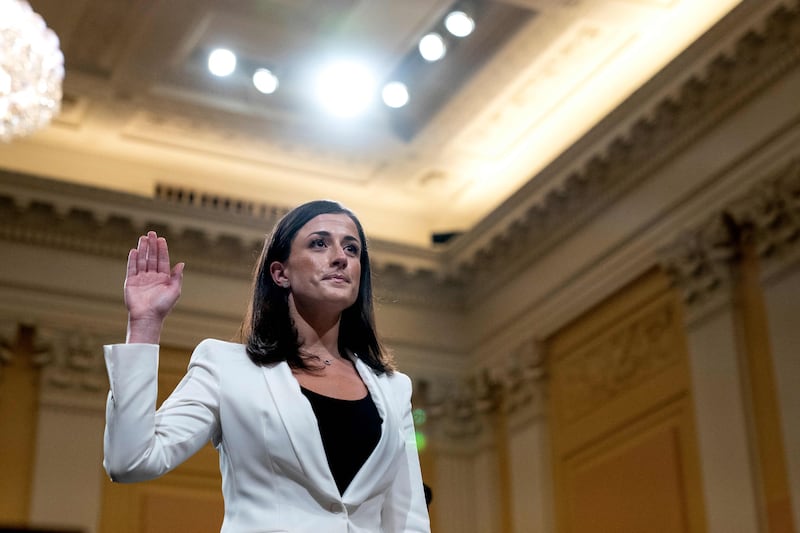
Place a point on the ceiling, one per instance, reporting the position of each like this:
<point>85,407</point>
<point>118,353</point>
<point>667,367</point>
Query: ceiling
<point>141,113</point>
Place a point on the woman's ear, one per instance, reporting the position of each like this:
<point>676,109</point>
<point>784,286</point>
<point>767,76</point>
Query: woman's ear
<point>278,272</point>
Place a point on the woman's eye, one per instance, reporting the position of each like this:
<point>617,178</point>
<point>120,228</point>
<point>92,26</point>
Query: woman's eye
<point>352,249</point>
<point>318,243</point>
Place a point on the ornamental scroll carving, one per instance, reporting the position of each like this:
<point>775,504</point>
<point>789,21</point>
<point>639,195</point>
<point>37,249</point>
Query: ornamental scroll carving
<point>623,358</point>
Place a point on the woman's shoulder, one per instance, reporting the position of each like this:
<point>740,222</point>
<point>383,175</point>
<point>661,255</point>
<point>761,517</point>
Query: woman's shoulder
<point>215,348</point>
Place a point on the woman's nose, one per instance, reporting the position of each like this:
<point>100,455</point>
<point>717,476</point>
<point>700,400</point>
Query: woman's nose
<point>339,257</point>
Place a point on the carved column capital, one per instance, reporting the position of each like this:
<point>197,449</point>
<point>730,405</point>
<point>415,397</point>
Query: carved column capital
<point>73,362</point>
<point>10,347</point>
<point>699,261</point>
<point>771,213</point>
<point>8,336</point>
<point>522,380</point>
<point>465,407</point>
<point>459,408</point>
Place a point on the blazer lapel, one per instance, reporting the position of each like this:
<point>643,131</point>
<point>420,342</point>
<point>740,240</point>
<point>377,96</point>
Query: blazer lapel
<point>390,443</point>
<point>301,425</point>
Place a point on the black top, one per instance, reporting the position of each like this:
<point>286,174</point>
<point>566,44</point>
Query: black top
<point>350,430</point>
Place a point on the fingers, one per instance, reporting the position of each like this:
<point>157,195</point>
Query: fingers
<point>152,251</point>
<point>141,254</point>
<point>163,254</point>
<point>150,255</point>
<point>177,272</point>
<point>132,259</point>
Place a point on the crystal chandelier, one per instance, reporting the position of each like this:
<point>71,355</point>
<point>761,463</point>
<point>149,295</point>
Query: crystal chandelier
<point>31,71</point>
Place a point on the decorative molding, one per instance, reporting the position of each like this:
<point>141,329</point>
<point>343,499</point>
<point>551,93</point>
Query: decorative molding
<point>8,336</point>
<point>425,288</point>
<point>770,213</point>
<point>71,361</point>
<point>759,58</point>
<point>522,380</point>
<point>39,223</point>
<point>88,221</point>
<point>460,409</point>
<point>699,262</point>
<point>464,408</point>
<point>621,359</point>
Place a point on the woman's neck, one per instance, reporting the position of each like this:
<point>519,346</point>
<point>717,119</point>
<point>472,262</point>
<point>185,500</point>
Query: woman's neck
<point>318,333</point>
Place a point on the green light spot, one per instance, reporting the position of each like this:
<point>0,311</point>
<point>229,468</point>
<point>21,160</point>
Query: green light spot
<point>422,441</point>
<point>419,416</point>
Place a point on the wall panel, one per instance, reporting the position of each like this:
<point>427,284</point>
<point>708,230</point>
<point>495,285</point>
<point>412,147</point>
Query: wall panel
<point>624,446</point>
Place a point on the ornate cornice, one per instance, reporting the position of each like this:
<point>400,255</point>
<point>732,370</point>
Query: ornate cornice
<point>211,239</point>
<point>760,56</point>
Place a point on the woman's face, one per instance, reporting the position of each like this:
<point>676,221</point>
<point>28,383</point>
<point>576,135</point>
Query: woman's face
<point>324,265</point>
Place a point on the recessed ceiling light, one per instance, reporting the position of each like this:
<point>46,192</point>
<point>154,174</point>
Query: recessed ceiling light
<point>395,94</point>
<point>459,23</point>
<point>265,81</point>
<point>221,62</point>
<point>432,47</point>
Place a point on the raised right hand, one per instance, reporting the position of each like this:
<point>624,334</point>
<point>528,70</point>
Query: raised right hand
<point>151,288</point>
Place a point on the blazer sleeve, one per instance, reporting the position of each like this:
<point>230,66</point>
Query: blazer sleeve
<point>140,442</point>
<point>405,510</point>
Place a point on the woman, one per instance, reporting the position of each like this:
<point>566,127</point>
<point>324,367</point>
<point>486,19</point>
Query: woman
<point>312,423</point>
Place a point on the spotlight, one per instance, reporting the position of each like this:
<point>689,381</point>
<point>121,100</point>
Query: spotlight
<point>395,94</point>
<point>459,23</point>
<point>265,81</point>
<point>346,88</point>
<point>221,62</point>
<point>432,47</point>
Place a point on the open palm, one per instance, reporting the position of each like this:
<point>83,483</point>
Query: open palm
<point>151,287</point>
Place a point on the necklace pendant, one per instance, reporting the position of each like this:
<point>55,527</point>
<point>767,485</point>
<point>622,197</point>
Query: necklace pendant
<point>327,362</point>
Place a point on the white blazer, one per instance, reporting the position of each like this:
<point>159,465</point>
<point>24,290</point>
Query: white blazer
<point>275,475</point>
